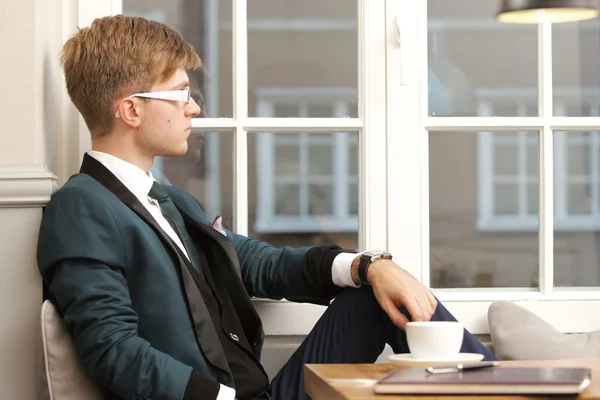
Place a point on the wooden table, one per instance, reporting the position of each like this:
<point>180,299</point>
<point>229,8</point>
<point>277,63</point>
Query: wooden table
<point>355,381</point>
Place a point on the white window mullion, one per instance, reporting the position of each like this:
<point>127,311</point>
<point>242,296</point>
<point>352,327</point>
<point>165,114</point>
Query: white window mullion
<point>546,166</point>
<point>373,184</point>
<point>407,141</point>
<point>240,114</point>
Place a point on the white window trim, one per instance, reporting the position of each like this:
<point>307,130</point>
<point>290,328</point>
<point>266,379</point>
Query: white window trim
<point>396,105</point>
<point>266,219</point>
<point>470,306</point>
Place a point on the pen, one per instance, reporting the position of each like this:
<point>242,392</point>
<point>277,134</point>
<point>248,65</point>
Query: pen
<point>461,367</point>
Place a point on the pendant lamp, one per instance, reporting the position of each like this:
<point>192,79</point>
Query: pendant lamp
<point>554,11</point>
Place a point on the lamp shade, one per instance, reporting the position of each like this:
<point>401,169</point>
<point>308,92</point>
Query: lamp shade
<point>536,11</point>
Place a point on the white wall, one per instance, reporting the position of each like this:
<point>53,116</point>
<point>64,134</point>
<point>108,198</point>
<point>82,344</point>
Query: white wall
<point>17,86</point>
<point>34,133</point>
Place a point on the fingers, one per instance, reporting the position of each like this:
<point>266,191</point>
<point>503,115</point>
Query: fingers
<point>415,309</point>
<point>396,316</point>
<point>432,301</point>
<point>425,307</point>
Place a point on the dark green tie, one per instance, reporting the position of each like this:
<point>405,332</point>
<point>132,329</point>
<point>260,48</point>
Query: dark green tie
<point>174,217</point>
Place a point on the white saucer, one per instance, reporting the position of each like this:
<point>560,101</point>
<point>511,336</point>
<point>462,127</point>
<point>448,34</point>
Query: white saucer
<point>407,360</point>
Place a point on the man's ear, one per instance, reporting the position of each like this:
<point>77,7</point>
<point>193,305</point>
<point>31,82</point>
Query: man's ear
<point>128,112</point>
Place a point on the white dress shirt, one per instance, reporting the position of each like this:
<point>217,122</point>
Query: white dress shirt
<point>139,183</point>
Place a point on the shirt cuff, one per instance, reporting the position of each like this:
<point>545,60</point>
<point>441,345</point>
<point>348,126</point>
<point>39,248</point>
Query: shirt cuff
<point>341,273</point>
<point>226,393</point>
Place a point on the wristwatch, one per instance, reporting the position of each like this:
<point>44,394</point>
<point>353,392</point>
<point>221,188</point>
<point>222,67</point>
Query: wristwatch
<point>366,259</point>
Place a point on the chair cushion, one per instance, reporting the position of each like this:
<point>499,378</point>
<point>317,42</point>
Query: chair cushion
<point>61,373</point>
<point>518,334</point>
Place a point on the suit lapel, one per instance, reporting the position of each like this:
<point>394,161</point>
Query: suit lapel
<point>206,335</point>
<point>230,276</point>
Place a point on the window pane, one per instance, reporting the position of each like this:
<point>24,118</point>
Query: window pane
<point>202,171</point>
<point>295,45</point>
<point>320,160</point>
<point>322,110</point>
<point>504,160</point>
<point>287,199</point>
<point>505,109</point>
<point>483,225</point>
<point>320,200</point>
<point>286,110</point>
<point>578,198</point>
<point>353,159</point>
<point>576,62</point>
<point>287,160</point>
<point>533,158</point>
<point>212,84</point>
<point>577,209</point>
<point>533,194</point>
<point>353,198</point>
<point>578,159</point>
<point>473,58</point>
<point>301,187</point>
<point>506,199</point>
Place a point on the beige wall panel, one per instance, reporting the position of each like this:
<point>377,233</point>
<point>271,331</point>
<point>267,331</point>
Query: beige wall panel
<point>17,88</point>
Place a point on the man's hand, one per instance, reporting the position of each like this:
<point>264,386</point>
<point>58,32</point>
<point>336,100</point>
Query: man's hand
<point>394,287</point>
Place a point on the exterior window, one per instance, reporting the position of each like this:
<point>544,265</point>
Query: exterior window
<point>509,165</point>
<point>307,182</point>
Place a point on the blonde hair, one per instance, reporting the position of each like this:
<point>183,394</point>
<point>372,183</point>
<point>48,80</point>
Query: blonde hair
<point>117,56</point>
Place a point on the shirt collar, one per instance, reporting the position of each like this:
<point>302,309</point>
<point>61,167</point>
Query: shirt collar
<point>133,177</point>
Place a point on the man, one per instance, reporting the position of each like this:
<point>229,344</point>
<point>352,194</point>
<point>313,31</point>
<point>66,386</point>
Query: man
<point>156,297</point>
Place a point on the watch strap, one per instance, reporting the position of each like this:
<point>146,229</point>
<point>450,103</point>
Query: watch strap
<point>363,267</point>
<point>366,259</point>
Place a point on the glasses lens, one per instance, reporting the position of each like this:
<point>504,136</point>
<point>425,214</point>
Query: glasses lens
<point>187,96</point>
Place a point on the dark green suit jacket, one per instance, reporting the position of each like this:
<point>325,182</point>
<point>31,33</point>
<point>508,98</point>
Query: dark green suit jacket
<point>126,292</point>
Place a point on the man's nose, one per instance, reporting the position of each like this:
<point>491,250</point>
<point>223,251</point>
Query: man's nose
<point>193,108</point>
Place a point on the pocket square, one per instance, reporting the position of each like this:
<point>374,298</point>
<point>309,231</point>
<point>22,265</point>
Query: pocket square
<point>217,225</point>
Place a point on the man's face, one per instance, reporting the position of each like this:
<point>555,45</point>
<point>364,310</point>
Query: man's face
<point>166,125</point>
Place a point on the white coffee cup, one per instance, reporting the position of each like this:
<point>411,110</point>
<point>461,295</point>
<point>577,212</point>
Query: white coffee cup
<point>434,340</point>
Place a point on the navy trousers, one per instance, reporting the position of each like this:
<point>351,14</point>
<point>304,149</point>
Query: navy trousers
<point>354,330</point>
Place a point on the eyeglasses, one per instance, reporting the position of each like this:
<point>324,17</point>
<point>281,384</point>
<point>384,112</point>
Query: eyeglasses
<point>182,95</point>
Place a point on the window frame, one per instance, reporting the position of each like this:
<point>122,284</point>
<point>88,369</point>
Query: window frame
<point>408,234</point>
<point>282,317</point>
<point>393,128</point>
